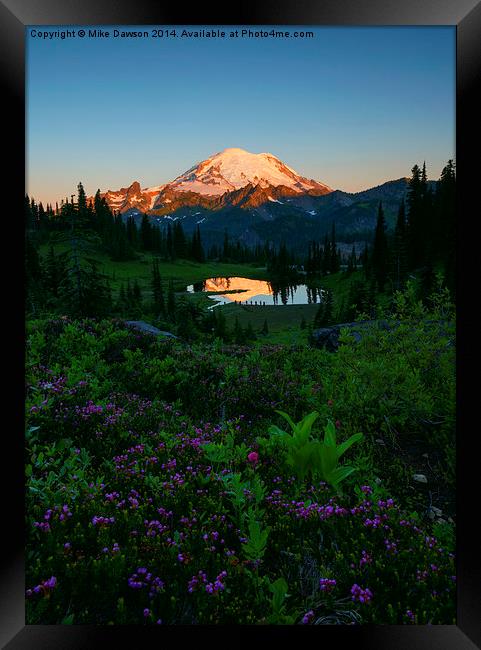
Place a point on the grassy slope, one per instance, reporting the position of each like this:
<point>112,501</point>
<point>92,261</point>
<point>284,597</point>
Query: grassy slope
<point>183,272</point>
<point>283,320</point>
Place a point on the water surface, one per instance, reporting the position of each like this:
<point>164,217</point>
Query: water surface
<point>246,291</point>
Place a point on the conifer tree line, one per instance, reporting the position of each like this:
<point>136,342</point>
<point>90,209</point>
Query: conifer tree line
<point>123,238</point>
<point>69,281</point>
<point>422,242</point>
<point>324,259</point>
<point>423,237</point>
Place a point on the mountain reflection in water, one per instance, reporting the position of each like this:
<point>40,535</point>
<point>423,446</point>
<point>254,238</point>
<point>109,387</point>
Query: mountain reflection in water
<point>252,292</point>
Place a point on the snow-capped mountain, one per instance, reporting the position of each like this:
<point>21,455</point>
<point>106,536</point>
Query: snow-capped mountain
<point>231,177</point>
<point>233,169</point>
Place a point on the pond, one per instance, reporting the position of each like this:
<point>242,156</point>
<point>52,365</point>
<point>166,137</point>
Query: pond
<point>256,292</point>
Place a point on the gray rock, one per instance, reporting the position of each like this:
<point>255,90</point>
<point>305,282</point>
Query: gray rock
<point>420,478</point>
<point>142,326</point>
<point>328,337</point>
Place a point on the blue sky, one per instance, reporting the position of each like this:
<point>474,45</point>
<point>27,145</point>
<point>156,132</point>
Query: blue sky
<point>352,107</point>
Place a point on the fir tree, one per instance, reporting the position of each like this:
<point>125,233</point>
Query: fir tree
<point>249,332</point>
<point>239,335</point>
<point>157,290</point>
<point>399,256</point>
<point>351,262</point>
<point>146,233</point>
<point>170,244</point>
<point>415,216</point>
<point>380,251</point>
<point>137,293</point>
<point>220,325</point>
<point>56,267</point>
<point>171,303</point>
<point>179,241</point>
<point>33,277</point>
<point>446,218</point>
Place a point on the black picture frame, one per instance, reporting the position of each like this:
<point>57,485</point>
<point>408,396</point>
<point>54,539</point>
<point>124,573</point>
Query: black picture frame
<point>466,15</point>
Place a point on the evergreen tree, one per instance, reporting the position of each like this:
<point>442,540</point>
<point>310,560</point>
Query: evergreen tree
<point>366,262</point>
<point>85,293</point>
<point>132,232</point>
<point>249,332</point>
<point>341,312</point>
<point>427,280</point>
<point>324,313</point>
<point>122,304</point>
<point>33,277</point>
<point>170,244</point>
<point>351,262</point>
<point>334,262</point>
<point>171,303</point>
<point>55,268</point>
<point>157,290</point>
<point>399,256</point>
<point>356,299</point>
<point>380,251</point>
<point>146,233</point>
<point>415,217</point>
<point>119,246</point>
<point>137,295</point>
<point>220,325</point>
<point>226,247</point>
<point>197,249</point>
<point>445,201</point>
<point>368,302</point>
<point>179,241</point>
<point>265,328</point>
<point>239,335</point>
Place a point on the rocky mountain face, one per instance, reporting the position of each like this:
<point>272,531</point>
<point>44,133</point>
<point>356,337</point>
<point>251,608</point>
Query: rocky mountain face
<point>229,178</point>
<point>258,198</point>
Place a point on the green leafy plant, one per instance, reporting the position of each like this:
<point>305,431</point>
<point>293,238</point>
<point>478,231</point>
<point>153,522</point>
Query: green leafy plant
<point>226,453</point>
<point>306,455</point>
<point>278,616</point>
<point>255,547</point>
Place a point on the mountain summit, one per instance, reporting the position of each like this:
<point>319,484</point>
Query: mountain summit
<point>231,177</point>
<point>233,169</point>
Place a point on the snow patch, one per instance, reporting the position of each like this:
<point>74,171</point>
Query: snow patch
<point>235,168</point>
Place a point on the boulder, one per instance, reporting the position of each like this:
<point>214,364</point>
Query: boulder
<point>328,337</point>
<point>142,326</point>
<point>420,478</point>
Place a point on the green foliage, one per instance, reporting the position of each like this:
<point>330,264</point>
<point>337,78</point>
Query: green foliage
<point>278,616</point>
<point>121,424</point>
<point>226,453</point>
<point>256,544</point>
<point>306,455</point>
